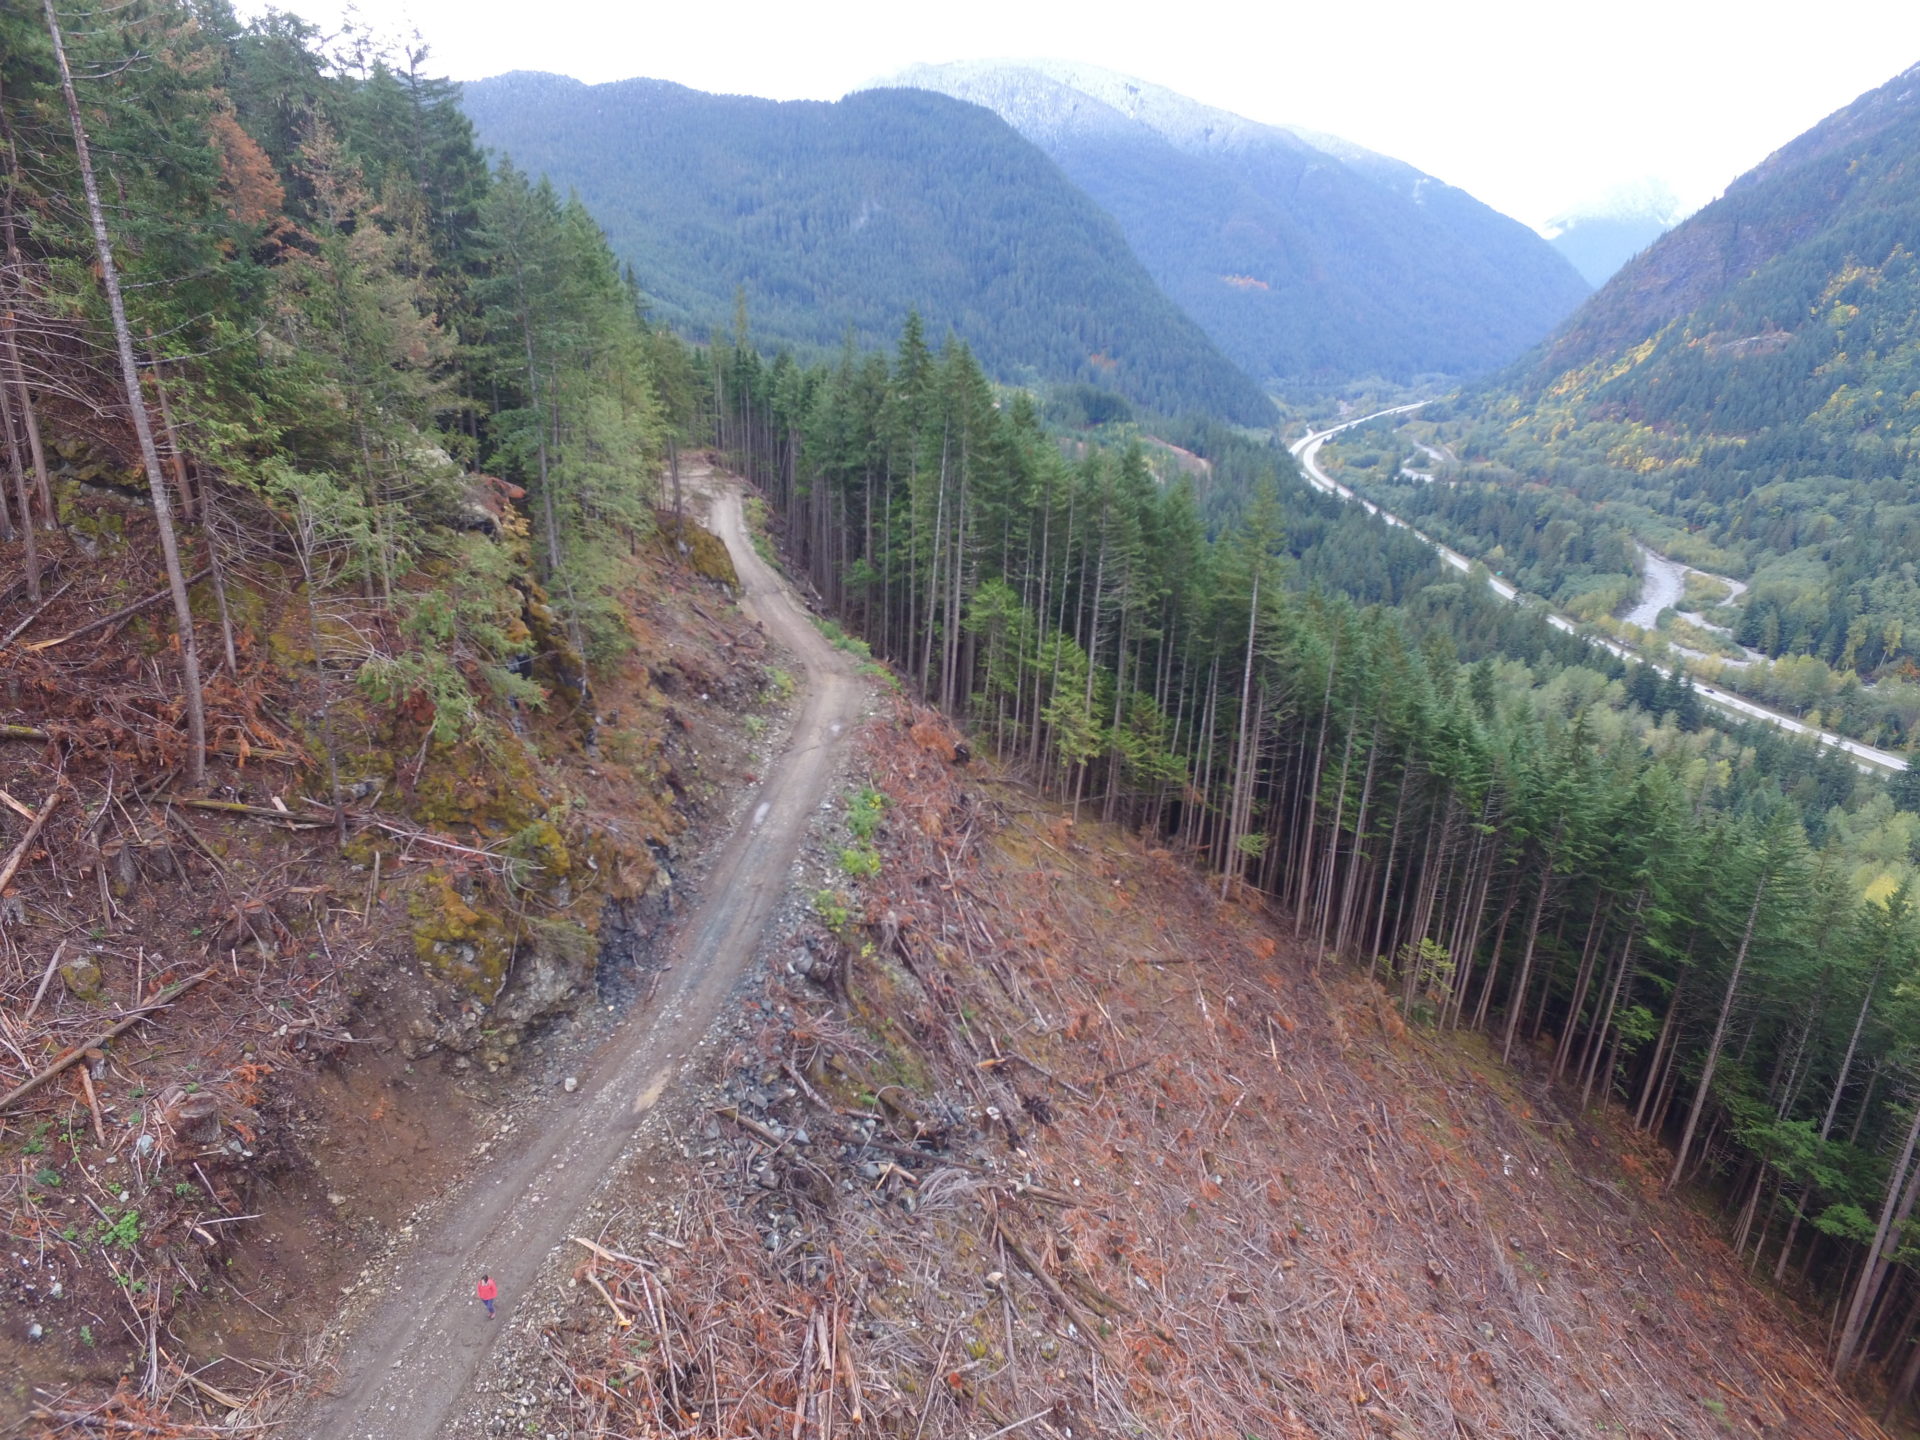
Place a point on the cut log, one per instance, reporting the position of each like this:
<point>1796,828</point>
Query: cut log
<point>125,1023</point>
<point>47,807</point>
<point>121,614</point>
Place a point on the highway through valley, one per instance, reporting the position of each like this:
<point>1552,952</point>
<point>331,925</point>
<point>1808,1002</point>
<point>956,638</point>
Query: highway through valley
<point>1306,451</point>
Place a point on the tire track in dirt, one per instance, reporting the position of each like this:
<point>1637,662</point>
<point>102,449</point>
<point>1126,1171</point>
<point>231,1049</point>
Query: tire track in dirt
<point>414,1361</point>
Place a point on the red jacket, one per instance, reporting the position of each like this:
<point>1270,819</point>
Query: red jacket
<point>487,1290</point>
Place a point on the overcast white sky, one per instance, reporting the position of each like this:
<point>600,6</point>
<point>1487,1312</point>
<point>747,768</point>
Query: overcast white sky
<point>1529,104</point>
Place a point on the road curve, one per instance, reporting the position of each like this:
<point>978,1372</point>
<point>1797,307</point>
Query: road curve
<point>1306,451</point>
<point>407,1369</point>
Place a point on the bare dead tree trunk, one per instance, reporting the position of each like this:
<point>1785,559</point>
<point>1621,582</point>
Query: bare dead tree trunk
<point>9,325</point>
<point>1239,804</point>
<point>137,412</point>
<point>679,510</point>
<point>1898,1205</point>
<point>32,553</point>
<point>176,457</point>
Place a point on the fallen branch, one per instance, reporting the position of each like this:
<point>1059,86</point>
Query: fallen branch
<point>45,977</point>
<point>22,628</point>
<point>401,832</point>
<point>224,747</point>
<point>47,807</point>
<point>214,1393</point>
<point>121,614</point>
<point>624,1320</point>
<point>771,1136</point>
<point>234,807</point>
<point>1034,1268</point>
<point>1040,1070</point>
<point>168,996</point>
<point>614,1255</point>
<point>94,1421</point>
<point>843,1353</point>
<point>1009,1429</point>
<point>93,1104</point>
<point>909,1152</point>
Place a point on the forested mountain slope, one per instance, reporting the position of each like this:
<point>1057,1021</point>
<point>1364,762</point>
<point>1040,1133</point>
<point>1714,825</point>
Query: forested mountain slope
<point>838,218</point>
<point>1745,394</point>
<point>1305,257</point>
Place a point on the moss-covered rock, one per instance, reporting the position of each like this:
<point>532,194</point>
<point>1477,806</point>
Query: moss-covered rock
<point>490,786</point>
<point>466,945</point>
<point>543,864</point>
<point>703,551</point>
<point>81,976</point>
<point>77,459</point>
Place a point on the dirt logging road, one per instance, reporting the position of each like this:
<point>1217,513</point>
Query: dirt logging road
<point>411,1364</point>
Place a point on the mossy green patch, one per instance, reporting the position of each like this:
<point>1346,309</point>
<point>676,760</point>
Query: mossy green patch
<point>488,784</point>
<point>459,942</point>
<point>541,860</point>
<point>704,552</point>
<point>558,663</point>
<point>290,638</point>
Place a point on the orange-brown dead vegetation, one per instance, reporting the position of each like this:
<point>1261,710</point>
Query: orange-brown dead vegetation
<point>1088,1153</point>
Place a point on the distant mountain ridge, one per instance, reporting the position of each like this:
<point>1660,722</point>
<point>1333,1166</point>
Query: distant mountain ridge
<point>1601,235</point>
<point>838,219</point>
<point>1305,257</point>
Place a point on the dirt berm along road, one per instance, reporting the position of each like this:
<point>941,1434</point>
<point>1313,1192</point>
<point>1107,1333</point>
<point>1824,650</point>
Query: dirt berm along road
<point>412,1364</point>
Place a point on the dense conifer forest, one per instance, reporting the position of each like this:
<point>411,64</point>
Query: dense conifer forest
<point>344,342</point>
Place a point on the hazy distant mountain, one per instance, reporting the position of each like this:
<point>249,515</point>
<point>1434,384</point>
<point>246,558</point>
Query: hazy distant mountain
<point>1601,235</point>
<point>1303,256</point>
<point>838,218</point>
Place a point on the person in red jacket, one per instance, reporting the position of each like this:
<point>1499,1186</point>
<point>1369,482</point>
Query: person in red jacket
<point>488,1293</point>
